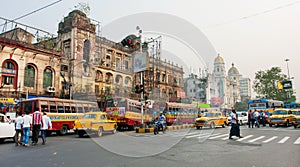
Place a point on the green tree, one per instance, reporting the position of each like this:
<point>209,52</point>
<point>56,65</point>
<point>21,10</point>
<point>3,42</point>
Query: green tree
<point>264,85</point>
<point>241,106</point>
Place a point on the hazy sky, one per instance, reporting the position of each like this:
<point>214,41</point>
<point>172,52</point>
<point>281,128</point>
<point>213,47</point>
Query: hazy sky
<point>253,34</point>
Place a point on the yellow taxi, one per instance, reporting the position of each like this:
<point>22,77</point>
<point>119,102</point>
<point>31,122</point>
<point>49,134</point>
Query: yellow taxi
<point>94,122</point>
<point>281,116</point>
<point>211,119</point>
<point>296,113</point>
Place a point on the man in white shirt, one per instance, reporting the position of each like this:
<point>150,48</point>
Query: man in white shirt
<point>45,126</point>
<point>256,117</point>
<point>235,129</point>
<point>18,128</point>
<point>27,124</point>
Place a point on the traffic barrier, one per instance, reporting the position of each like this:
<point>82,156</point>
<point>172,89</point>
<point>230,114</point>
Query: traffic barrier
<point>144,130</point>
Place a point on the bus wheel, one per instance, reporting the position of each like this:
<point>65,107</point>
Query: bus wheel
<point>198,127</point>
<point>63,130</point>
<point>270,125</point>
<point>80,133</point>
<point>100,131</point>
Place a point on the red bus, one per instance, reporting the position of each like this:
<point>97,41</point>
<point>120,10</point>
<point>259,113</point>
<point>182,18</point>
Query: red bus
<point>126,112</point>
<point>62,112</point>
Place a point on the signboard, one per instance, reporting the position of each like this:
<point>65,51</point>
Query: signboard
<point>139,62</point>
<point>287,84</point>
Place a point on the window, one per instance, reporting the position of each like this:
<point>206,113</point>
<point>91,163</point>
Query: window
<point>29,77</point>
<point>9,73</point>
<point>126,65</point>
<point>118,63</point>
<point>47,78</point>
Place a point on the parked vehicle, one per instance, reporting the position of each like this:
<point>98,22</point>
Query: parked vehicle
<point>7,128</point>
<point>296,121</point>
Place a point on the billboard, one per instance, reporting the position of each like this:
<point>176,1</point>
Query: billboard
<point>139,62</point>
<point>287,84</point>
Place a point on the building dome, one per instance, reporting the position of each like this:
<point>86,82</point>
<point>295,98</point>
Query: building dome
<point>219,59</point>
<point>233,70</point>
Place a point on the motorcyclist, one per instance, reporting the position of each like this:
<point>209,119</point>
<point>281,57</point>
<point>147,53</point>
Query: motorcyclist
<point>162,119</point>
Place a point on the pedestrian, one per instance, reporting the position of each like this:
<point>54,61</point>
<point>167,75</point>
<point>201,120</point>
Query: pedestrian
<point>36,126</point>
<point>250,117</point>
<point>19,129</point>
<point>256,117</point>
<point>46,125</point>
<point>27,124</point>
<point>263,117</point>
<point>235,129</point>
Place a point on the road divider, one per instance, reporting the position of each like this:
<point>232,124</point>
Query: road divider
<point>175,127</point>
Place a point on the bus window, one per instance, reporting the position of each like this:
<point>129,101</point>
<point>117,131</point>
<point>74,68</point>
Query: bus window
<point>67,107</point>
<point>28,106</point>
<point>60,107</point>
<point>79,108</point>
<point>73,108</point>
<point>86,108</point>
<point>52,107</point>
<point>44,106</point>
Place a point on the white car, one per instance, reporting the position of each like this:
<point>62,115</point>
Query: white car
<point>7,128</point>
<point>243,117</point>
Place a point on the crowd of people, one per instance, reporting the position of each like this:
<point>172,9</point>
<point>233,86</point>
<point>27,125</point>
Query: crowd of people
<point>37,122</point>
<point>256,117</point>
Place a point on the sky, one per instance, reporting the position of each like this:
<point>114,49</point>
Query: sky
<point>253,34</point>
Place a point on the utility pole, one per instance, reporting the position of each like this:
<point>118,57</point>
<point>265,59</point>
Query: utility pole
<point>141,76</point>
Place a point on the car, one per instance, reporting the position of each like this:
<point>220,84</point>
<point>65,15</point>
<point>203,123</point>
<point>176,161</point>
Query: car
<point>94,122</point>
<point>7,128</point>
<point>211,119</point>
<point>296,121</point>
<point>281,116</point>
<point>242,117</point>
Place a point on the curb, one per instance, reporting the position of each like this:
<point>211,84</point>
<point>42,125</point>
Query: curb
<point>176,127</point>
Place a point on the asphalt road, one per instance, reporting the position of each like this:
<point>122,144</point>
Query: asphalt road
<point>276,146</point>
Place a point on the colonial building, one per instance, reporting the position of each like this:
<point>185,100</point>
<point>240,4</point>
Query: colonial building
<point>30,62</point>
<point>77,63</point>
<point>224,89</point>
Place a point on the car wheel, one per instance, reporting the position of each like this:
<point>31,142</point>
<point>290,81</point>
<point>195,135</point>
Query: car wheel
<point>212,125</point>
<point>2,140</point>
<point>100,131</point>
<point>63,130</point>
<point>223,126</point>
<point>114,131</point>
<point>197,127</point>
<point>295,126</point>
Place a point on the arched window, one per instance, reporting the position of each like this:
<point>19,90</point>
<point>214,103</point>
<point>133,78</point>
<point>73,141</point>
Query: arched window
<point>10,73</point>
<point>47,77</point>
<point>29,76</point>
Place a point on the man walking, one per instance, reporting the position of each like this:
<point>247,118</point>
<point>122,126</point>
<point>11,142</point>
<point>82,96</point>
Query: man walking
<point>37,123</point>
<point>27,123</point>
<point>46,125</point>
<point>18,128</point>
<point>256,117</point>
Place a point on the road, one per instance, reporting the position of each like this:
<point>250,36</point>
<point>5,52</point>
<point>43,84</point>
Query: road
<point>276,146</point>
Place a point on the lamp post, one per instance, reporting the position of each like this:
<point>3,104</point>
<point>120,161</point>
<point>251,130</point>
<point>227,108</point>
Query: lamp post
<point>288,70</point>
<point>72,74</point>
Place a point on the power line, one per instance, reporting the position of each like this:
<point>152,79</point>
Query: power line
<point>255,14</point>
<point>36,10</point>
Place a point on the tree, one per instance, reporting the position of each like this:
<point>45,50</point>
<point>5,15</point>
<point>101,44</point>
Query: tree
<point>264,85</point>
<point>241,106</point>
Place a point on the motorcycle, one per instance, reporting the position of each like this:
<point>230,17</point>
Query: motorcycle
<point>159,127</point>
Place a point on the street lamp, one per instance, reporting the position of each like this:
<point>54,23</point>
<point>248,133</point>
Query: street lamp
<point>287,64</point>
<point>72,74</point>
